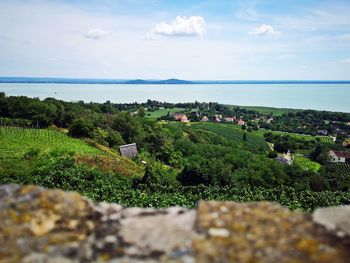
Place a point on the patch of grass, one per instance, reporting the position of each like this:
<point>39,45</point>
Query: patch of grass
<point>233,133</point>
<point>306,164</point>
<point>118,165</point>
<point>16,142</point>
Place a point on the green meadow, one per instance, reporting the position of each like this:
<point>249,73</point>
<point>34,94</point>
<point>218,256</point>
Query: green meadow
<point>159,113</point>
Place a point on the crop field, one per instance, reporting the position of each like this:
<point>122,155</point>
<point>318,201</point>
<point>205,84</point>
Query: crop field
<point>325,139</point>
<point>341,168</point>
<point>306,164</point>
<point>233,133</point>
<point>159,113</point>
<point>15,142</point>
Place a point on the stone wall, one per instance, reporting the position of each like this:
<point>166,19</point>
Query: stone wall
<point>41,225</point>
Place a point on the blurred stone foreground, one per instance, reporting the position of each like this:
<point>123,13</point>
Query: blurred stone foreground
<point>41,225</point>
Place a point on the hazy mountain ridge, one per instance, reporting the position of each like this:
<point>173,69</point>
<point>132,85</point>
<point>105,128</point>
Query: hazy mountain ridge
<point>155,81</point>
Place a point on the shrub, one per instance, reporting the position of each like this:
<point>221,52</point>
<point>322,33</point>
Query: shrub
<point>272,154</point>
<point>81,128</point>
<point>31,153</point>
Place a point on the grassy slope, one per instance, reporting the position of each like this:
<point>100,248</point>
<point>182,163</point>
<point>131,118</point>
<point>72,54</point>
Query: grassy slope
<point>158,113</point>
<point>15,143</point>
<point>306,164</point>
<point>233,133</point>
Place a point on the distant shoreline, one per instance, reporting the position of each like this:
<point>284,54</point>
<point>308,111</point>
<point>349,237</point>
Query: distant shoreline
<point>33,80</point>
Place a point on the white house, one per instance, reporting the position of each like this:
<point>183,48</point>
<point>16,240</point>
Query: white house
<point>339,156</point>
<point>205,119</point>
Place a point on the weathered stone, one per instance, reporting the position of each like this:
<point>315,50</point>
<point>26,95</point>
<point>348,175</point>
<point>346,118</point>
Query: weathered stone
<point>164,231</point>
<point>262,232</point>
<point>41,225</point>
<point>334,219</point>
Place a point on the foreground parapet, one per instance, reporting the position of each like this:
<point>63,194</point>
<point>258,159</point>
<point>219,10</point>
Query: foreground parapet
<point>42,225</point>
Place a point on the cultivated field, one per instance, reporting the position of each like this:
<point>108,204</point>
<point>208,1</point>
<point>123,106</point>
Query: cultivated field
<point>233,133</point>
<point>341,168</point>
<point>306,164</point>
<point>15,142</point>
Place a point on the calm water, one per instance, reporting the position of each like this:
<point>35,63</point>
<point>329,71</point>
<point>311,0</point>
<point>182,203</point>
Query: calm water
<point>333,97</point>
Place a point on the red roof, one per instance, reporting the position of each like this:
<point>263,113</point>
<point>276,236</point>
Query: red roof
<point>342,154</point>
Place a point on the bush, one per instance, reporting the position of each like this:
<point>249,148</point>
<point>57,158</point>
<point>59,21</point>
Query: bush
<point>205,171</point>
<point>272,154</point>
<point>81,128</point>
<point>31,153</point>
<point>114,139</point>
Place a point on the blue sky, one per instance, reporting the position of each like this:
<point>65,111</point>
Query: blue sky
<point>156,39</point>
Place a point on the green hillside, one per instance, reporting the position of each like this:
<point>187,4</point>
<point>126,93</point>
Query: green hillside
<point>15,142</point>
<point>21,149</point>
<point>234,133</point>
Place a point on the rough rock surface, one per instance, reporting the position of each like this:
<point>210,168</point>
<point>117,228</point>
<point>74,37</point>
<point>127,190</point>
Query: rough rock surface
<point>41,225</point>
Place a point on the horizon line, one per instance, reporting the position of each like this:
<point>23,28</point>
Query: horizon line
<point>63,80</point>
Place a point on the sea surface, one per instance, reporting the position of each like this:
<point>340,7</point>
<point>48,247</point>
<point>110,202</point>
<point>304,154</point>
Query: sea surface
<point>331,97</point>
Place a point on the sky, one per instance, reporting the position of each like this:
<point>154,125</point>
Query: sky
<point>186,39</point>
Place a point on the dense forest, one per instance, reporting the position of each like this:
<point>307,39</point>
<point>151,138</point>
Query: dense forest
<point>179,163</point>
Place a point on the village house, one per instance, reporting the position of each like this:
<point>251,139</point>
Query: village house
<point>217,119</point>
<point>339,156</point>
<point>230,118</point>
<point>205,119</point>
<point>241,122</point>
<point>283,160</point>
<point>269,120</point>
<point>286,159</point>
<point>180,117</point>
<point>322,132</point>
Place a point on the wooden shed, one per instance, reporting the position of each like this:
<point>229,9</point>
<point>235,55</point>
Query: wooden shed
<point>128,150</point>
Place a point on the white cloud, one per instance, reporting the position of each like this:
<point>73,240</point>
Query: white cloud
<point>263,30</point>
<point>96,33</point>
<point>345,61</point>
<point>182,26</point>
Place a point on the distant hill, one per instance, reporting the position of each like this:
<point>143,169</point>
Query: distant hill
<point>166,81</point>
<point>90,81</point>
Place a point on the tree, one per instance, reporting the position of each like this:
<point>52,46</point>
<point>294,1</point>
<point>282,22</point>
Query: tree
<point>244,138</point>
<point>114,139</point>
<point>127,126</point>
<point>205,171</point>
<point>81,128</point>
<point>141,112</point>
<point>272,154</point>
<point>320,154</point>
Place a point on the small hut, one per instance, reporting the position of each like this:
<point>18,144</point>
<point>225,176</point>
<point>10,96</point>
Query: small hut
<point>128,150</point>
